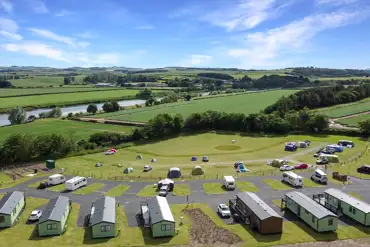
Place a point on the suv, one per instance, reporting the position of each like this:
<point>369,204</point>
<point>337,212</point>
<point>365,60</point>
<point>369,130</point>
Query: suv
<point>364,169</point>
<point>147,168</point>
<point>35,215</point>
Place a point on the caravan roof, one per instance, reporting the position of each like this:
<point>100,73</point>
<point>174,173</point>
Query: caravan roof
<point>174,169</point>
<point>159,210</point>
<point>103,210</point>
<point>55,176</point>
<point>350,200</point>
<point>75,179</point>
<point>292,174</point>
<point>10,201</point>
<point>229,178</point>
<point>259,207</point>
<point>321,172</point>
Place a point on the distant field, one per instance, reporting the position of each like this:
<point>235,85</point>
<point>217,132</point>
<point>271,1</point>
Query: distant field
<point>259,73</point>
<point>344,78</point>
<point>354,120</point>
<point>63,99</point>
<point>51,90</point>
<point>37,81</point>
<point>74,129</point>
<point>346,109</point>
<point>243,103</point>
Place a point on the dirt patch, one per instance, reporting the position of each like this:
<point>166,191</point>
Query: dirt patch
<point>205,232</point>
<point>340,243</point>
<point>19,171</point>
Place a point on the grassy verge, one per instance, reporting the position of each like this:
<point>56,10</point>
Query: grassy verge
<point>213,188</point>
<point>58,188</point>
<point>6,181</point>
<point>147,191</point>
<point>181,190</point>
<point>117,191</point>
<point>276,184</point>
<point>309,183</point>
<point>90,188</point>
<point>36,184</point>
<point>245,186</point>
<point>277,202</point>
<point>356,195</point>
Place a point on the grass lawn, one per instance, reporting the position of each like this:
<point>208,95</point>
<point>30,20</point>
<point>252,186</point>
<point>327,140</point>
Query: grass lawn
<point>309,183</point>
<point>10,92</point>
<point>346,109</point>
<point>148,191</point>
<point>276,184</point>
<point>57,188</point>
<point>356,195</point>
<point>43,81</point>
<point>245,186</point>
<point>117,191</point>
<point>36,184</point>
<point>6,181</point>
<point>213,188</point>
<point>76,130</point>
<point>353,121</point>
<point>277,202</point>
<point>181,190</point>
<point>244,103</point>
<point>88,189</point>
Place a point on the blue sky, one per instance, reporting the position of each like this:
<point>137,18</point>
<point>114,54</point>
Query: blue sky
<point>199,33</point>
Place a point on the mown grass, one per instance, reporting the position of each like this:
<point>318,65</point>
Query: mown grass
<point>69,129</point>
<point>356,195</point>
<point>117,191</point>
<point>42,81</point>
<point>148,191</point>
<point>346,109</point>
<point>309,183</point>
<point>88,189</point>
<point>245,186</point>
<point>7,181</point>
<point>213,188</point>
<point>11,92</point>
<point>353,121</point>
<point>276,184</point>
<point>57,188</point>
<point>181,190</point>
<point>243,103</point>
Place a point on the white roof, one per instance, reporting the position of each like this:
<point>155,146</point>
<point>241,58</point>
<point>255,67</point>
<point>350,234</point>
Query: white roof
<point>229,178</point>
<point>344,141</point>
<point>55,176</point>
<point>334,145</point>
<point>75,179</point>
<point>328,155</point>
<point>159,210</point>
<point>354,202</point>
<point>166,181</point>
<point>174,169</point>
<point>292,174</point>
<point>321,172</point>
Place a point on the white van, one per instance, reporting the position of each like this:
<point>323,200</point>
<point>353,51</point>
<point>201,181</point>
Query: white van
<point>56,179</point>
<point>229,182</point>
<point>75,183</point>
<point>319,176</point>
<point>293,179</point>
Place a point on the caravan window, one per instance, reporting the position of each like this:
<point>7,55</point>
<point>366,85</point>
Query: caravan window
<point>354,210</point>
<point>51,227</point>
<point>166,227</point>
<point>84,180</point>
<point>330,223</point>
<point>14,211</point>
<point>2,219</point>
<point>105,228</point>
<point>313,218</point>
<point>350,209</point>
<point>284,175</point>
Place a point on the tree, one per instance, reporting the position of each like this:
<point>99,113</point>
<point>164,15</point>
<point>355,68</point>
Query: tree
<point>188,97</point>
<point>318,122</point>
<point>17,115</point>
<point>5,84</point>
<point>365,126</point>
<point>92,108</point>
<point>144,94</point>
<point>111,106</point>
<point>67,80</point>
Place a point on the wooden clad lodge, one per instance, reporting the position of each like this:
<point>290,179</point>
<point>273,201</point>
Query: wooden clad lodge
<point>255,212</point>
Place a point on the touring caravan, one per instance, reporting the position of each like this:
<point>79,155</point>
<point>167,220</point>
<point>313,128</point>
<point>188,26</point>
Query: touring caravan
<point>229,182</point>
<point>75,183</point>
<point>293,179</point>
<point>56,179</point>
<point>319,176</point>
<point>329,157</point>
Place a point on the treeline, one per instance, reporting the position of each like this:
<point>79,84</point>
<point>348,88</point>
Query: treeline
<point>207,84</point>
<point>5,84</point>
<point>319,97</point>
<point>273,81</point>
<point>324,72</point>
<point>220,76</point>
<point>148,71</point>
<point>119,79</point>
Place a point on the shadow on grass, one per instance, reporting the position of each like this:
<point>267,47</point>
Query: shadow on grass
<point>35,235</point>
<point>349,222</point>
<point>91,241</point>
<point>260,237</point>
<point>318,236</point>
<point>150,241</point>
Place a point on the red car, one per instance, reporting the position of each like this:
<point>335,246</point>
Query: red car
<point>301,166</point>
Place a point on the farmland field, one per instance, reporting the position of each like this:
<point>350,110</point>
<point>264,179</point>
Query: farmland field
<point>346,109</point>
<point>67,128</point>
<point>243,103</point>
<point>38,81</point>
<point>344,78</point>
<point>254,151</point>
<point>11,92</point>
<point>353,121</point>
<point>61,99</point>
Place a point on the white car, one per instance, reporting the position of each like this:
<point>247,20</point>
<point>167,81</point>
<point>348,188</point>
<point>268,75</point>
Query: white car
<point>35,215</point>
<point>223,210</point>
<point>109,152</point>
<point>286,168</point>
<point>147,168</point>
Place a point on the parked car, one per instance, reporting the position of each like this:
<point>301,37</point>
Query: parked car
<point>307,142</point>
<point>236,164</point>
<point>110,152</point>
<point>286,168</point>
<point>43,185</point>
<point>163,191</point>
<point>364,169</point>
<point>147,168</point>
<point>322,161</point>
<point>205,159</point>
<point>223,210</point>
<point>301,166</point>
<point>35,215</point>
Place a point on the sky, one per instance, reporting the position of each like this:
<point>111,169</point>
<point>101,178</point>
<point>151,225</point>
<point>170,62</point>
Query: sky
<point>247,34</point>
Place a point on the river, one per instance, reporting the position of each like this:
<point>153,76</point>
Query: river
<point>70,109</point>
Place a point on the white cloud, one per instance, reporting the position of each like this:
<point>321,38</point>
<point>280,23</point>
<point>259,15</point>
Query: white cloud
<point>245,15</point>
<point>145,27</point>
<point>263,48</point>
<point>39,7</point>
<point>85,35</point>
<point>9,35</point>
<point>335,2</point>
<point>60,38</point>
<point>196,60</point>
<point>6,5</point>
<point>63,13</point>
<point>8,29</point>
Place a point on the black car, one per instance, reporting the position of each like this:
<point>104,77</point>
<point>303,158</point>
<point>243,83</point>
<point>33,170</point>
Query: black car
<point>42,185</point>
<point>364,169</point>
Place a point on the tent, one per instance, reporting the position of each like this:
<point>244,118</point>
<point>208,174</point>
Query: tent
<point>241,168</point>
<point>128,170</point>
<point>98,164</point>
<point>174,172</point>
<point>170,183</point>
<point>278,163</point>
<point>153,160</point>
<point>205,159</point>
<point>302,144</point>
<point>197,170</point>
<point>139,157</point>
<point>237,164</point>
<point>289,147</point>
<point>194,158</point>
<point>336,147</point>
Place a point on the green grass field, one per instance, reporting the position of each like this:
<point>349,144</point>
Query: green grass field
<point>88,189</point>
<point>47,100</point>
<point>213,188</point>
<point>67,128</point>
<point>148,191</point>
<point>117,191</point>
<point>57,188</point>
<point>344,78</point>
<point>353,121</point>
<point>346,109</point>
<point>222,153</point>
<point>276,184</point>
<point>182,190</point>
<point>42,81</point>
<point>243,103</point>
<point>245,186</point>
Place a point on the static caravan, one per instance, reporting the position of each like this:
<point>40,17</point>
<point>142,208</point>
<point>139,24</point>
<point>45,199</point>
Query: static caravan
<point>56,179</point>
<point>255,212</point>
<point>103,218</point>
<point>293,179</point>
<point>315,215</point>
<point>11,206</point>
<point>75,183</point>
<point>161,219</point>
<point>329,157</point>
<point>342,203</point>
<point>229,182</point>
<point>54,218</point>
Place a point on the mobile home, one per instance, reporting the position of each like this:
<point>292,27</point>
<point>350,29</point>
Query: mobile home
<point>54,218</point>
<point>56,179</point>
<point>342,203</point>
<point>11,206</point>
<point>258,214</point>
<point>293,179</point>
<point>75,183</point>
<point>312,213</point>
<point>161,219</point>
<point>102,218</point>
<point>229,182</point>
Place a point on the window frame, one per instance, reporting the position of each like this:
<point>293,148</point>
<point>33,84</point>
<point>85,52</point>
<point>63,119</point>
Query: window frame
<point>51,226</point>
<point>331,222</point>
<point>2,218</point>
<point>313,219</point>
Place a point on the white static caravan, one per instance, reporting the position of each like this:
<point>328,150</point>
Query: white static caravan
<point>229,182</point>
<point>56,179</point>
<point>293,179</point>
<point>75,183</point>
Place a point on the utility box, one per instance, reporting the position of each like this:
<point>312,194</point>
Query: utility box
<point>50,164</point>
